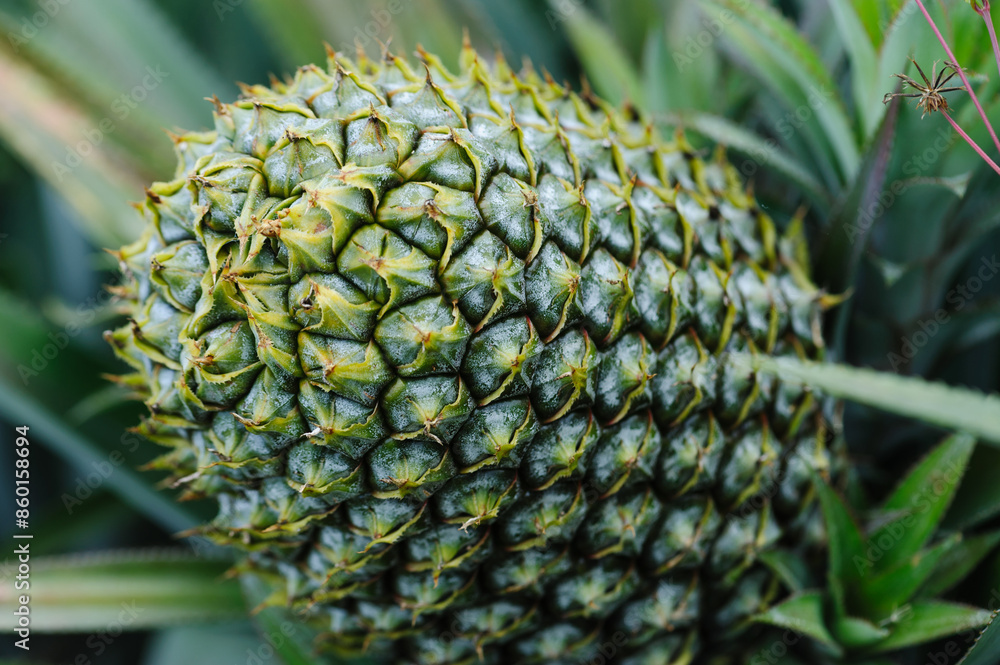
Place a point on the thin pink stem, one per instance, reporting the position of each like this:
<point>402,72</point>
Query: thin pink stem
<point>961,73</point>
<point>969,140</point>
<point>985,13</point>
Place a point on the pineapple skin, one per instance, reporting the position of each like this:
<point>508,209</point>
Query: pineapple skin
<point>451,352</point>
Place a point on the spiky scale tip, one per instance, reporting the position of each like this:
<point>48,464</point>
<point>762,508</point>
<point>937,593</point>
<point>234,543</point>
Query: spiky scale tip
<point>450,350</point>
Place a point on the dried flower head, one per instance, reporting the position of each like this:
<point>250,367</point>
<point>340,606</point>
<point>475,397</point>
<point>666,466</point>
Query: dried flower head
<point>930,95</point>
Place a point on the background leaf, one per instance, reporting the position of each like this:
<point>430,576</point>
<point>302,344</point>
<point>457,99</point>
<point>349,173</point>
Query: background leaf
<point>986,650</point>
<point>130,590</point>
<point>946,406</point>
<point>609,69</point>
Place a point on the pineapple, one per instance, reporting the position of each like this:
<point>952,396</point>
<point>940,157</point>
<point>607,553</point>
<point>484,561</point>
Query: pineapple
<point>450,351</point>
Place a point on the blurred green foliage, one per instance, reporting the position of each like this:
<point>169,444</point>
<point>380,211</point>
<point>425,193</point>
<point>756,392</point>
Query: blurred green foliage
<point>900,213</point>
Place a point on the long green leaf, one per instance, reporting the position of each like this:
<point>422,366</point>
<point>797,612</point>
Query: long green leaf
<point>869,14</point>
<point>677,73</point>
<point>906,35</point>
<point>761,151</point>
<point>978,499</point>
<point>986,650</point>
<point>922,498</point>
<point>959,562</point>
<point>857,633</point>
<point>790,568</point>
<point>607,66</point>
<point>41,126</point>
<point>123,590</point>
<point>852,224</point>
<point>926,621</point>
<point>864,64</point>
<point>47,428</point>
<point>783,97</point>
<point>103,47</point>
<point>773,45</point>
<point>847,558</point>
<point>931,402</point>
<point>803,614</point>
<point>195,644</point>
<point>893,588</point>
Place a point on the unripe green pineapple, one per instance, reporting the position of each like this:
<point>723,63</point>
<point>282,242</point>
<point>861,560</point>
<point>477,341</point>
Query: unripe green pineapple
<point>450,351</point>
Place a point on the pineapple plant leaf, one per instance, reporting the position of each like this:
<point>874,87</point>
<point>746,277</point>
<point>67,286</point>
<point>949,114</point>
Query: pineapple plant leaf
<point>841,257</point>
<point>880,579</point>
<point>986,649</point>
<point>39,127</point>
<point>959,561</point>
<point>789,66</point>
<point>132,590</point>
<point>928,620</point>
<point>736,138</point>
<point>935,403</point>
<point>88,456</point>
<point>978,499</point>
<point>864,63</point>
<point>805,614</point>
<point>611,72</point>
